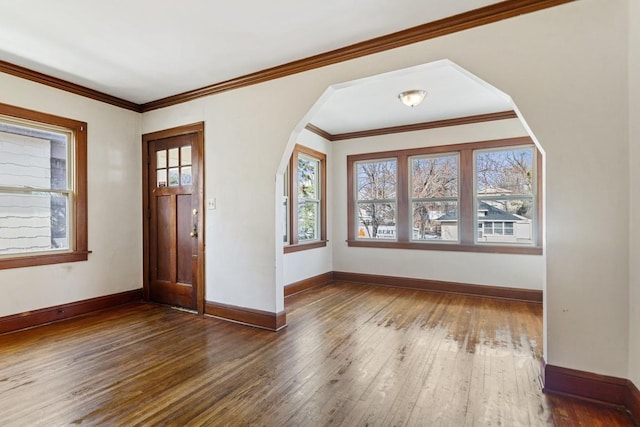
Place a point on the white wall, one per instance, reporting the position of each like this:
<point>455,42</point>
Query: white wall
<point>313,262</point>
<point>583,128</point>
<point>247,132</point>
<point>115,205</point>
<point>565,68</point>
<point>517,271</point>
<point>634,161</point>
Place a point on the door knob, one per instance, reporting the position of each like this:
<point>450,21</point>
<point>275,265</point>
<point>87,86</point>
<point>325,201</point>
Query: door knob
<point>194,232</point>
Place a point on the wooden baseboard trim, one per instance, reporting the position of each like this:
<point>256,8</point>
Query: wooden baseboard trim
<point>603,389</point>
<point>247,316</point>
<point>633,401</point>
<point>527,295</point>
<point>311,282</point>
<point>42,316</point>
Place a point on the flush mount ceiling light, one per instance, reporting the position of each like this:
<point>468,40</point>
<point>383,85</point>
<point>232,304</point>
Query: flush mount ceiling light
<point>411,98</point>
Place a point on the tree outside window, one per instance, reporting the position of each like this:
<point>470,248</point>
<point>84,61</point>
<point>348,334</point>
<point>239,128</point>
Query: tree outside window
<point>480,197</point>
<point>305,200</point>
<point>376,204</point>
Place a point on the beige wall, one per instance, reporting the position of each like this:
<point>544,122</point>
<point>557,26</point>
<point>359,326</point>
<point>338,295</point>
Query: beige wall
<point>115,205</point>
<point>634,143</point>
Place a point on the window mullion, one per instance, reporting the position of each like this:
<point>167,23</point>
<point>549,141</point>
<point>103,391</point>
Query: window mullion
<point>466,214</point>
<point>402,194</point>
<point>293,198</point>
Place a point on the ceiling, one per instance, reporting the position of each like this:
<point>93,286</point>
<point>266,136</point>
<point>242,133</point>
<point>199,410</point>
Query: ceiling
<point>145,50</point>
<point>372,103</point>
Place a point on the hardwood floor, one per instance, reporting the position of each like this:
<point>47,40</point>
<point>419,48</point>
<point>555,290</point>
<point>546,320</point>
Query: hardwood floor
<point>352,355</point>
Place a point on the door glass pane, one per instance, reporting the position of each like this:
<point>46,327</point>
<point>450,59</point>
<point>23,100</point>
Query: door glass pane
<point>185,176</point>
<point>174,177</point>
<point>161,159</point>
<point>173,157</point>
<point>161,178</point>
<point>185,155</point>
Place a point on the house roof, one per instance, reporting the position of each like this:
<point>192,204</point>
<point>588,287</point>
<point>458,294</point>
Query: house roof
<point>492,214</point>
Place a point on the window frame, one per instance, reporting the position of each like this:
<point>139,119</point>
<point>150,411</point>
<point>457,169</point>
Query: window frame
<point>467,201</point>
<point>445,199</point>
<point>294,245</point>
<point>78,224</point>
<point>499,227</point>
<point>375,201</point>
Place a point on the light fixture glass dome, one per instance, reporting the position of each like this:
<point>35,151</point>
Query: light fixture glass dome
<point>411,98</point>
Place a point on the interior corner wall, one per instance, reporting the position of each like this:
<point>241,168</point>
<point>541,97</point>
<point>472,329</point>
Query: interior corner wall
<point>587,172</point>
<point>504,270</point>
<point>566,69</point>
<point>313,262</point>
<point>114,180</point>
<point>246,134</point>
<point>634,161</point>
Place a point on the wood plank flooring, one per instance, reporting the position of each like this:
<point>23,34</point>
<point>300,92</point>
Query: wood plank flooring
<point>352,355</point>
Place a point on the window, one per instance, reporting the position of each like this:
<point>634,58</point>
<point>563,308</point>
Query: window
<point>285,203</point>
<point>504,187</point>
<point>434,196</point>
<point>481,197</point>
<point>376,199</point>
<point>304,200</point>
<point>43,201</point>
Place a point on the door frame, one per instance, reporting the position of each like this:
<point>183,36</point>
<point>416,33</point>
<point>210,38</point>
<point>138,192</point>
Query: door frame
<point>198,130</point>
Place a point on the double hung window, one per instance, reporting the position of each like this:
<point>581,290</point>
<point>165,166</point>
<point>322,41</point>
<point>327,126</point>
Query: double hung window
<point>434,196</point>
<point>305,200</point>
<point>376,203</point>
<point>43,201</point>
<point>482,196</point>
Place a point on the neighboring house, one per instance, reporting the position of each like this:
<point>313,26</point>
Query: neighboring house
<point>494,225</point>
<point>31,220</point>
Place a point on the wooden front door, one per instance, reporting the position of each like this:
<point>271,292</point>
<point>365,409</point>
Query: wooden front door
<point>173,218</point>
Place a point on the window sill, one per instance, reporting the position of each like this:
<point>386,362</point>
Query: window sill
<point>304,246</point>
<point>48,259</point>
<point>454,247</point>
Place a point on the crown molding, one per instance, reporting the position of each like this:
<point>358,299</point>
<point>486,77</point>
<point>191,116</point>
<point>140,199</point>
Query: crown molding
<point>485,15</point>
<point>320,132</point>
<point>463,21</point>
<point>34,76</point>
<point>490,117</point>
